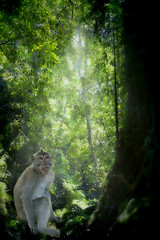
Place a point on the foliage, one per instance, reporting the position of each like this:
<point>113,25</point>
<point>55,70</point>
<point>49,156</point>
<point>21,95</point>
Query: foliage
<point>75,221</point>
<point>71,83</point>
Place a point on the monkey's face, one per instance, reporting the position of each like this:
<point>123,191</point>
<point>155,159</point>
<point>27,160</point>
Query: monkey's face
<point>42,161</point>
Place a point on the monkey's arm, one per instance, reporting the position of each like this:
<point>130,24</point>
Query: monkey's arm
<point>20,188</point>
<point>26,195</point>
<point>42,188</point>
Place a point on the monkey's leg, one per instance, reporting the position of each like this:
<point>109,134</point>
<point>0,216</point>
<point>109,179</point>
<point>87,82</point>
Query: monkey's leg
<point>30,214</point>
<point>43,217</point>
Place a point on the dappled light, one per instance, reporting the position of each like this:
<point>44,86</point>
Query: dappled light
<point>77,79</point>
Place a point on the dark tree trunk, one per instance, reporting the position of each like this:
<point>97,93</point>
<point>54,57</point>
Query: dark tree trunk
<point>129,206</point>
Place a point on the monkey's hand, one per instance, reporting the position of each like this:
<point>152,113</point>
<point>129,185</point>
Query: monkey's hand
<point>58,220</point>
<point>55,219</point>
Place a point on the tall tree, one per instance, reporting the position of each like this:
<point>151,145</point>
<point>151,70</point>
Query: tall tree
<point>115,88</point>
<point>84,97</point>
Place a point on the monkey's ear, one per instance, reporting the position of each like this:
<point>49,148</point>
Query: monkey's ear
<point>32,158</point>
<point>41,150</point>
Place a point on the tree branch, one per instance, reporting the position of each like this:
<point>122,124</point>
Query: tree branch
<point>3,43</point>
<point>3,181</point>
<point>9,41</point>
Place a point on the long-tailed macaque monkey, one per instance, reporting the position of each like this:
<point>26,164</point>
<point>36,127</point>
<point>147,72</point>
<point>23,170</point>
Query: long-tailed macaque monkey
<point>31,195</point>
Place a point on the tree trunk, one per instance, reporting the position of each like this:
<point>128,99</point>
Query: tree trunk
<point>115,89</point>
<point>35,66</point>
<point>135,174</point>
<point>83,82</point>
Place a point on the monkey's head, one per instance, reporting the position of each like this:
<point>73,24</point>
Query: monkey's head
<point>42,161</point>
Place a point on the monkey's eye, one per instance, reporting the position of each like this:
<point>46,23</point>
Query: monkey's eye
<point>40,157</point>
<point>47,157</point>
